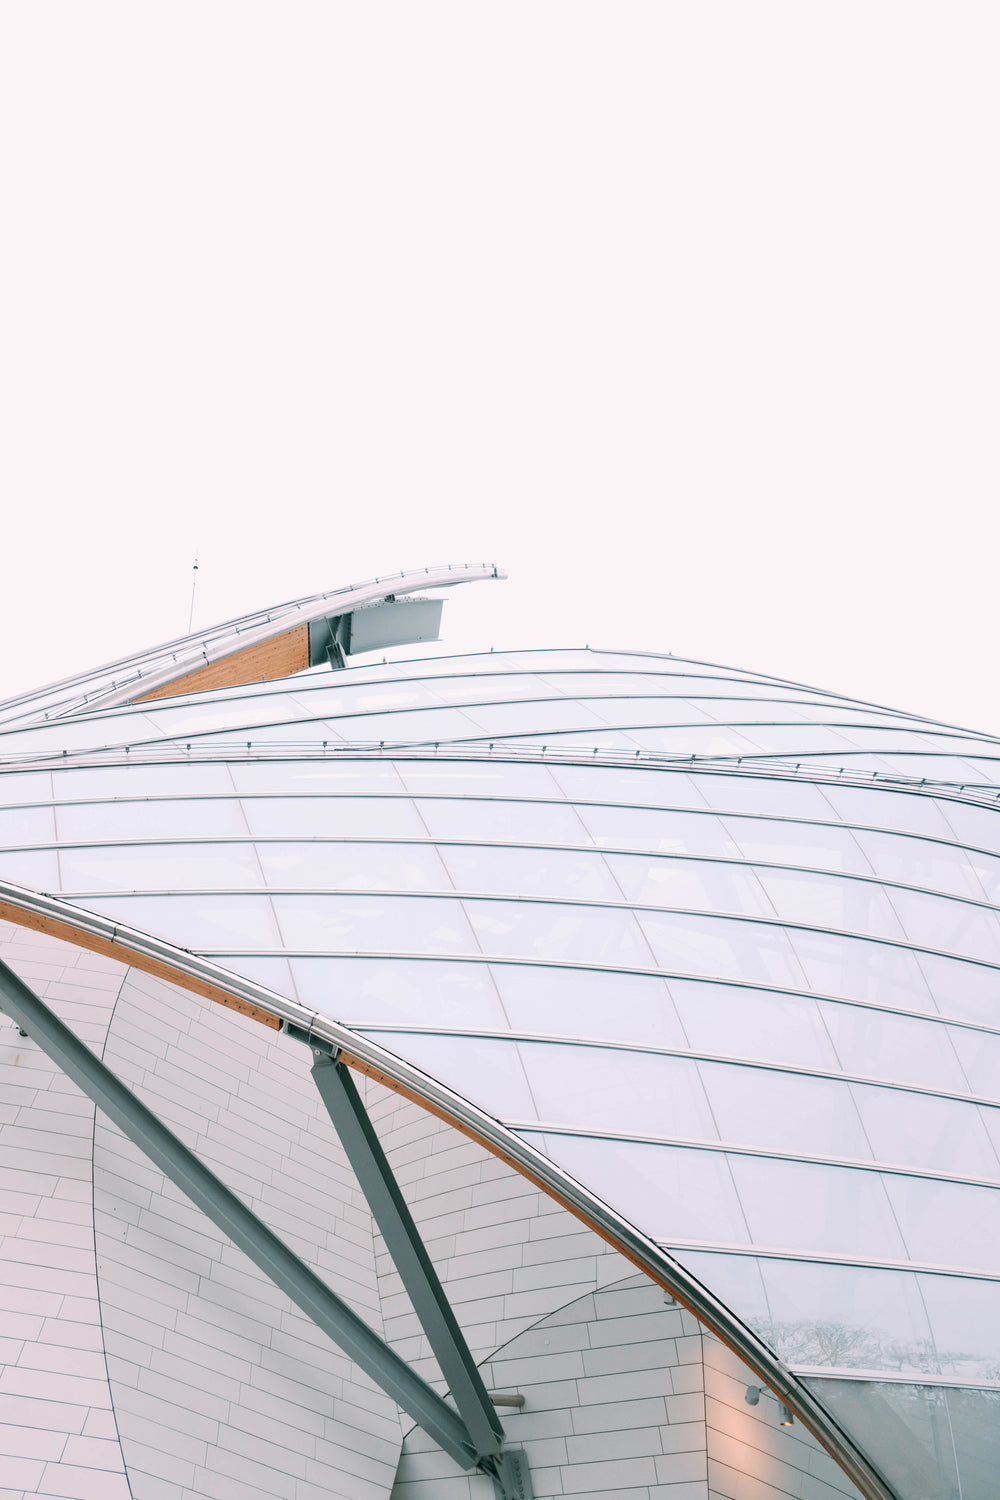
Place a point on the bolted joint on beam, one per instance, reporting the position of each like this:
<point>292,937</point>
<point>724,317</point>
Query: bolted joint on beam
<point>510,1474</point>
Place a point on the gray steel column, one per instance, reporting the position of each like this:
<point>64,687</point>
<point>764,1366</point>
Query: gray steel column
<point>385,1367</point>
<point>402,1238</point>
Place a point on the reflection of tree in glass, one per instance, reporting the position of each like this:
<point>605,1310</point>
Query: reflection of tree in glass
<point>849,1346</point>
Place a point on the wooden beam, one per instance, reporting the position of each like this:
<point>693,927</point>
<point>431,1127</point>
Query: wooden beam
<point>282,656</point>
<point>132,960</point>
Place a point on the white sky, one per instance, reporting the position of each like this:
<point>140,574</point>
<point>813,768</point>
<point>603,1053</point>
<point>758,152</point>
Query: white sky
<point>687,314</point>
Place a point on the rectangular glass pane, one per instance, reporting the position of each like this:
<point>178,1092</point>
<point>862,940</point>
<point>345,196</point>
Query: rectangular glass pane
<point>784,796</point>
<point>804,1206</point>
<point>875,807</point>
<point>407,726</point>
<point>917,1130</point>
<point>710,740</point>
<point>827,901</point>
<point>672,1193</point>
<point>533,718</point>
<point>943,922</point>
<point>398,991</point>
<point>740,1022</point>
<point>817,846</point>
<point>477,778</point>
<point>329,865</point>
<point>947,1223</point>
<point>145,819</point>
<point>923,862</point>
<point>647,828</point>
<point>582,874</point>
<point>967,991</point>
<point>35,868</point>
<point>575,934</point>
<point>720,949</point>
<point>979,1055</point>
<point>591,1003</point>
<point>517,822</point>
<point>27,825</point>
<point>863,971</point>
<point>35,786</point>
<point>234,923</point>
<point>487,1072</point>
<point>336,774</point>
<point>978,827</point>
<point>965,1318</point>
<point>337,816</point>
<point>657,880</point>
<point>645,788</point>
<point>608,1089</point>
<point>340,697</point>
<point>876,1044</point>
<point>374,924</point>
<point>784,1112</point>
<point>160,867</point>
<point>848,1317</point>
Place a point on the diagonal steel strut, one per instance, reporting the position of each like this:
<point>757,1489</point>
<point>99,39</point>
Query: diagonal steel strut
<point>402,1238</point>
<point>385,1367</point>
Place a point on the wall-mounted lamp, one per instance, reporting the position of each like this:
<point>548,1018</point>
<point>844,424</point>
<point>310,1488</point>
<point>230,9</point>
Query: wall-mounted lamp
<point>753,1395</point>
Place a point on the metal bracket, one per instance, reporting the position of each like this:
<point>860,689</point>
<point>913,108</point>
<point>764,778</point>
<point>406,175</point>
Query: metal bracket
<point>511,1477</point>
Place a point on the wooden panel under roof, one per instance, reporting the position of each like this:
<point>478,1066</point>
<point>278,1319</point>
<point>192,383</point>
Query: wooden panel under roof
<point>282,656</point>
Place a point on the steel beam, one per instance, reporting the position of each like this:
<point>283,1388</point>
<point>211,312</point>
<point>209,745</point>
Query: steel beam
<point>430,1303</point>
<point>385,1367</point>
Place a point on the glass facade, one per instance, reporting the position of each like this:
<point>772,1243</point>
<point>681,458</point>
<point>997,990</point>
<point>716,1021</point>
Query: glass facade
<point>725,950</point>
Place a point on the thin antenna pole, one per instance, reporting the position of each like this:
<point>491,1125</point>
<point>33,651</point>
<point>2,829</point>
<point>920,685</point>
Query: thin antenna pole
<point>194,585</point>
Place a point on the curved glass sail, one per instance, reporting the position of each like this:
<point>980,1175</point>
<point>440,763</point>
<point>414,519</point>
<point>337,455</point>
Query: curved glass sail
<point>723,949</point>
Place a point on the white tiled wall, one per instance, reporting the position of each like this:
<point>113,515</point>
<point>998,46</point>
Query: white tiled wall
<point>57,1427</point>
<point>223,1388</point>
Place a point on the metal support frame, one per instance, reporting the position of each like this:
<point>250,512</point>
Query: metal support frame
<point>430,1303</point>
<point>385,1367</point>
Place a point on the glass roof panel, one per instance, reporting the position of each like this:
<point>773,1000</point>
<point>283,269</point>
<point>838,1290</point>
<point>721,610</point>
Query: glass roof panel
<point>333,817</point>
<point>577,934</point>
<point>334,865</point>
<point>581,874</point>
<point>398,991</point>
<point>374,924</point>
<point>588,1002</point>
<point>739,1022</point>
<point>164,867</point>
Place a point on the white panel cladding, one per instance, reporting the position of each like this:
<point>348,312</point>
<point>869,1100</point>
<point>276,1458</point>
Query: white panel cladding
<point>57,1424</point>
<point>223,1388</point>
<point>750,1455</point>
<point>627,1399</point>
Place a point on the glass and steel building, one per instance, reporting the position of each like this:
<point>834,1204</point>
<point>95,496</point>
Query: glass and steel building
<point>693,971</point>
